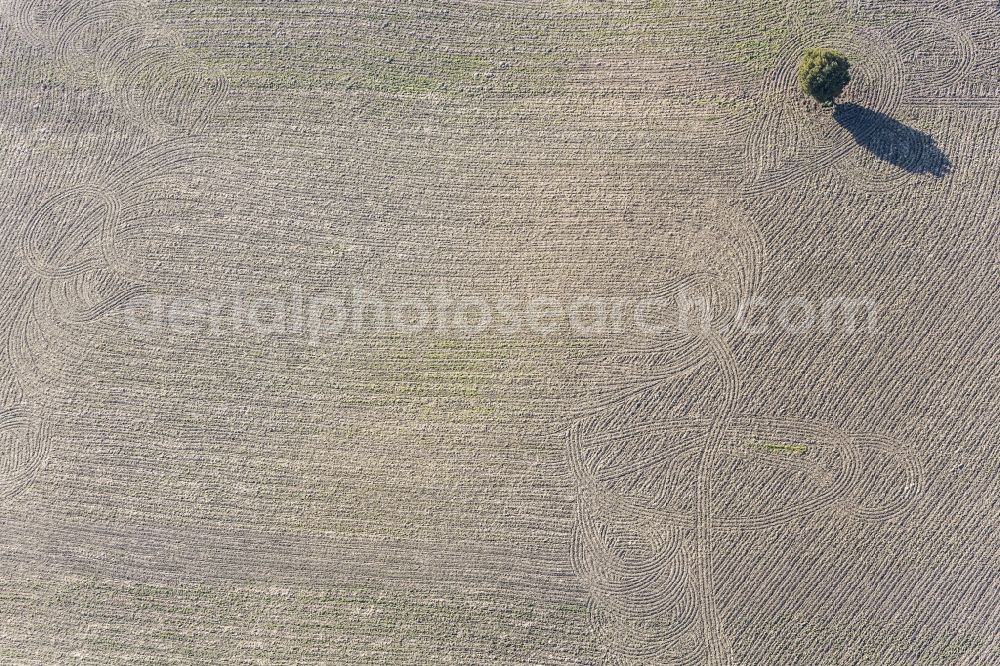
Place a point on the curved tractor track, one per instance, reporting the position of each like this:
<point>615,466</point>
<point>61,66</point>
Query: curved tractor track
<point>74,268</point>
<point>241,424</point>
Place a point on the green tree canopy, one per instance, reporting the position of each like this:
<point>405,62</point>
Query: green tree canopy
<point>823,73</point>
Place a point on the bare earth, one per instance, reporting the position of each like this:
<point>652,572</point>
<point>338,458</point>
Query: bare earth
<point>241,482</point>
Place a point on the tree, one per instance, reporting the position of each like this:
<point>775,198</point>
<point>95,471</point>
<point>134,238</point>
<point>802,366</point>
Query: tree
<point>823,73</point>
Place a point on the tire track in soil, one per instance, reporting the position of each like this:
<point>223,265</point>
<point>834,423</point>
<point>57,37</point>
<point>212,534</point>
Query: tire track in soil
<point>69,242</point>
<point>622,590</point>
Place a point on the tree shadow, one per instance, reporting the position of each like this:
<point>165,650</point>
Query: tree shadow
<point>891,141</point>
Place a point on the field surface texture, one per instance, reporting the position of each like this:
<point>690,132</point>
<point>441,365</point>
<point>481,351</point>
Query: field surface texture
<point>498,332</point>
